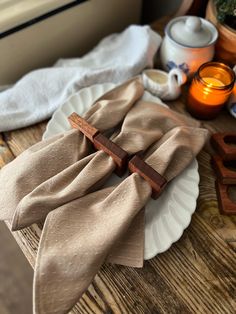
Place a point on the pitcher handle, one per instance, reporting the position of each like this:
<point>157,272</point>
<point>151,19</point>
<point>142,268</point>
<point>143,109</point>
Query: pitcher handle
<point>179,76</point>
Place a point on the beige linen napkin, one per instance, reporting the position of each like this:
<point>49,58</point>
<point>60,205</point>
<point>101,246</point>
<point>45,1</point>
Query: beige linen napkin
<point>78,236</point>
<point>143,125</point>
<point>48,158</point>
<point>52,173</point>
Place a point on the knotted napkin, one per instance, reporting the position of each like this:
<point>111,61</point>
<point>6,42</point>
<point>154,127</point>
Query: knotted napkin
<point>143,125</point>
<point>54,172</point>
<point>78,236</point>
<point>50,157</point>
<point>73,177</point>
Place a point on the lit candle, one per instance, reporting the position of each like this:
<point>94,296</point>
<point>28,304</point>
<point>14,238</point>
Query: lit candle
<point>210,89</point>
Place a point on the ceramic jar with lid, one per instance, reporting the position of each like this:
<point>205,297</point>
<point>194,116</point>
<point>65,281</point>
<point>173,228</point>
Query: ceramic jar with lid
<point>189,42</point>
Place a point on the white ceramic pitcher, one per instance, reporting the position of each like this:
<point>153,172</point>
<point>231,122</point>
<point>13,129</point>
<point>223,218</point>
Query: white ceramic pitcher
<point>166,86</point>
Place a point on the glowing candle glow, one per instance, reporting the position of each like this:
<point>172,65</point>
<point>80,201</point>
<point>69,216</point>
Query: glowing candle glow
<point>210,89</point>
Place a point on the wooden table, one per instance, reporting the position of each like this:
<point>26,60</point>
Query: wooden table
<point>196,275</point>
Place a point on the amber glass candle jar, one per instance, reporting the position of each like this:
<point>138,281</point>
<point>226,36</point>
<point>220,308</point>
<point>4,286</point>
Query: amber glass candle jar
<point>210,89</point>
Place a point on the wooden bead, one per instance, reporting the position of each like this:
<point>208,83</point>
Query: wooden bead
<point>224,174</point>
<point>101,142</point>
<point>226,206</point>
<point>77,122</point>
<point>156,181</point>
<point>221,142</point>
<point>119,156</point>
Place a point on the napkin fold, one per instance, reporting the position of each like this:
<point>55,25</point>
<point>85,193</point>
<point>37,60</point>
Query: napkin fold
<point>78,236</point>
<point>48,158</point>
<point>38,94</point>
<point>56,179</point>
<point>144,124</point>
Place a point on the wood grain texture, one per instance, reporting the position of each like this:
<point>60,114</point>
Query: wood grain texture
<point>156,181</point>
<point>119,156</point>
<point>101,142</point>
<point>226,205</point>
<point>5,153</point>
<point>19,140</point>
<point>77,122</point>
<point>225,144</point>
<point>207,205</point>
<point>225,170</point>
<point>196,275</point>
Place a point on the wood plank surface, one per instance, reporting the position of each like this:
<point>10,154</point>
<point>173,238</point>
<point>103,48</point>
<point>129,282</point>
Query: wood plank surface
<point>5,154</point>
<point>196,275</point>
<point>207,201</point>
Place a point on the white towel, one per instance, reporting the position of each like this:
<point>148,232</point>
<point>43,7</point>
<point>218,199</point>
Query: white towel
<point>38,94</point>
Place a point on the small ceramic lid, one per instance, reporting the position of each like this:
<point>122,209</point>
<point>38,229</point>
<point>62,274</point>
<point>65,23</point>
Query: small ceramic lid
<point>192,31</point>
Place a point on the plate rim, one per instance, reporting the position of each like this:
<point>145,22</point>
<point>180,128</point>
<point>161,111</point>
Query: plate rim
<point>190,216</point>
<point>69,99</point>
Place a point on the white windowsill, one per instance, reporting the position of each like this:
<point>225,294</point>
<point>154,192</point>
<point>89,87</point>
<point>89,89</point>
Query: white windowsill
<point>17,12</point>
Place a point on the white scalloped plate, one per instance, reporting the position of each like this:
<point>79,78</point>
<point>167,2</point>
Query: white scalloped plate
<point>167,217</point>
